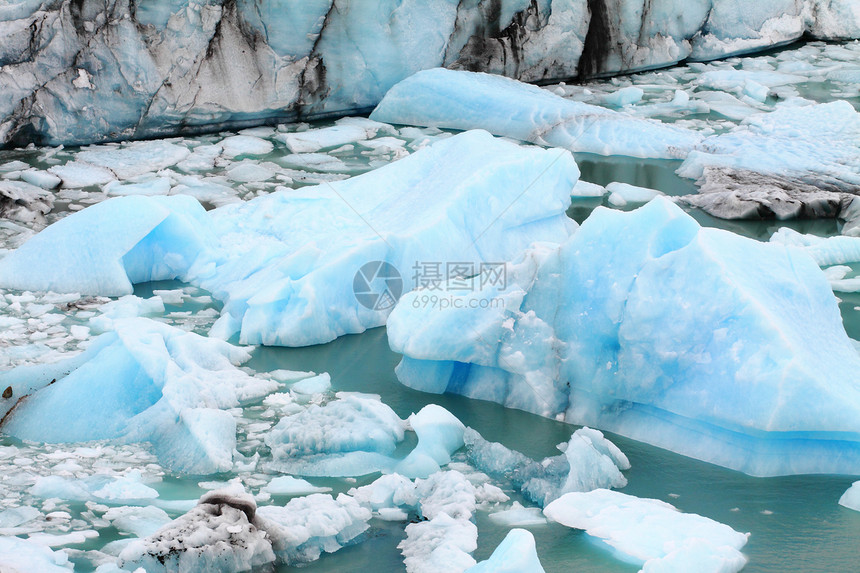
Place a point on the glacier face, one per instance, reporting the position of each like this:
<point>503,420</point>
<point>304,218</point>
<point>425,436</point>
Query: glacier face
<point>693,339</point>
<point>77,71</point>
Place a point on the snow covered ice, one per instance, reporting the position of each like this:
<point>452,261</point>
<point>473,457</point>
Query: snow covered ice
<point>730,385</point>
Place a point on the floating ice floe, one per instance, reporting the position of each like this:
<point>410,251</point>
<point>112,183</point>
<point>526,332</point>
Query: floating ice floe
<point>760,378</point>
<point>652,533</point>
<point>623,194</point>
<point>219,534</point>
<point>739,194</point>
<point>356,434</point>
<point>515,554</point>
<point>467,100</point>
<point>144,381</point>
<point>444,536</point>
<point>851,497</point>
<point>287,263</point>
<point>588,461</point>
<point>814,145</point>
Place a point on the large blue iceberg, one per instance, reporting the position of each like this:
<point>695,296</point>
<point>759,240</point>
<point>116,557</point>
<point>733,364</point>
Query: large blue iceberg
<point>299,267</point>
<point>643,323</point>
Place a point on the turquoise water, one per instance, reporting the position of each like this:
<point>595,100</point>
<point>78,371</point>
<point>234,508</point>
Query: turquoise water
<point>795,522</point>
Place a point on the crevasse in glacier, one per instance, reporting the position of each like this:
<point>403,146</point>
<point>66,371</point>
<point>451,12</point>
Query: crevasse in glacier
<point>83,71</point>
<point>643,323</point>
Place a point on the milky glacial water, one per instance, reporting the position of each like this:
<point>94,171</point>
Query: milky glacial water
<point>795,522</point>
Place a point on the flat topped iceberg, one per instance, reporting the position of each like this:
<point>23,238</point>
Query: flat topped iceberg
<point>652,533</point>
<point>468,100</point>
<point>643,323</point>
<point>144,381</point>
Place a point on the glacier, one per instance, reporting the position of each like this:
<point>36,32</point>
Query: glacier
<point>294,284</point>
<point>759,379</point>
<point>652,533</point>
<point>85,71</point>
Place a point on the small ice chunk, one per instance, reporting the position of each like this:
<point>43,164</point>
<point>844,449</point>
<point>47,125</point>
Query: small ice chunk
<point>138,521</point>
<point>288,485</point>
<point>518,516</point>
<point>75,174</point>
<point>237,145</point>
<point>314,162</point>
<point>352,435</point>
<point>586,189</point>
<point>308,526</point>
<point>247,172</point>
<point>42,179</point>
<point>515,554</point>
<point>621,194</point>
<point>21,555</point>
<point>156,186</point>
<point>314,385</point>
<point>440,434</point>
<point>133,159</point>
<point>313,140</point>
<point>851,498</point>
<point>624,96</point>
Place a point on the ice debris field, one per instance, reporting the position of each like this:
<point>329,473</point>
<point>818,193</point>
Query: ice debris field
<point>645,358</point>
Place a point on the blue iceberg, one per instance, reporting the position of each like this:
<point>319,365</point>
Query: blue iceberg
<point>645,324</point>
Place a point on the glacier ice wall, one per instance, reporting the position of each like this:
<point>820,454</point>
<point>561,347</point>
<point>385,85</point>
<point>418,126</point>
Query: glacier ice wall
<point>77,71</point>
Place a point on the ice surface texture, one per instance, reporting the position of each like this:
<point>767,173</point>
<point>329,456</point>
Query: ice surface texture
<point>697,340</point>
<point>651,532</point>
<point>285,264</point>
<point>76,72</point>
